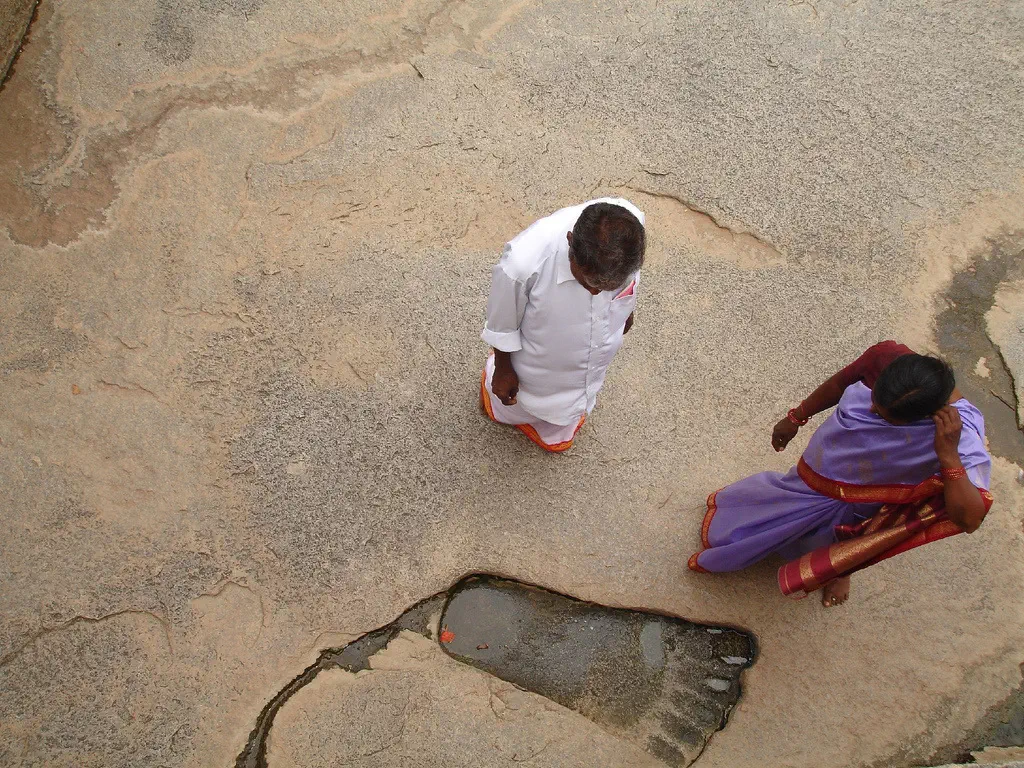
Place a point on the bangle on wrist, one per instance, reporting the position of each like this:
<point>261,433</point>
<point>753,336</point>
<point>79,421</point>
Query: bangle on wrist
<point>953,473</point>
<point>794,418</point>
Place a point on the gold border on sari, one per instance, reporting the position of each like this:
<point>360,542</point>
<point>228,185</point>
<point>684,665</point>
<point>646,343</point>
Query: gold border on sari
<point>867,494</point>
<point>807,575</point>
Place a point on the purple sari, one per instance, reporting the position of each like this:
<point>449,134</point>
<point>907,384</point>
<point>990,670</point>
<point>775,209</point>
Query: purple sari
<point>866,461</point>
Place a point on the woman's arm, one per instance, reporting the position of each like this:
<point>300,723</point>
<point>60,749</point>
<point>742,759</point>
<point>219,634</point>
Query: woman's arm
<point>865,368</point>
<point>964,505</point>
<point>821,399</point>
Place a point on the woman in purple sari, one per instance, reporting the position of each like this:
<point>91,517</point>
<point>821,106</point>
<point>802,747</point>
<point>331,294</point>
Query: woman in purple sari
<point>901,462</point>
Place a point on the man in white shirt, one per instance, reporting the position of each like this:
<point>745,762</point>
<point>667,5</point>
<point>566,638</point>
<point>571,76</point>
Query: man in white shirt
<point>562,297</point>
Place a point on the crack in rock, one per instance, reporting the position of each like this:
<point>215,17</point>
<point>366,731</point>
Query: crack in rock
<point>76,189</point>
<point>130,388</point>
<point>353,657</point>
<point>12,655</point>
<point>7,68</point>
<point>739,237</point>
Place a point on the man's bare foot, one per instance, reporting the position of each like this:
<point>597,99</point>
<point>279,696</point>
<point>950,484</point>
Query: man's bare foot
<point>836,592</point>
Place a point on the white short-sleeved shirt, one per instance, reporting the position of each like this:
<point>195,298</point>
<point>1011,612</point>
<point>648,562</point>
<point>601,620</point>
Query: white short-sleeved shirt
<point>562,338</point>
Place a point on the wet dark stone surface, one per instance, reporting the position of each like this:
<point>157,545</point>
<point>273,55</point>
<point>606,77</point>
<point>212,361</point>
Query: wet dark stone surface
<point>662,683</point>
<point>659,682</point>
<point>1002,726</point>
<point>1005,725</point>
<point>962,334</point>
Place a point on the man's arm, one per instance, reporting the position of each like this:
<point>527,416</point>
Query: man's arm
<point>505,382</point>
<point>506,306</point>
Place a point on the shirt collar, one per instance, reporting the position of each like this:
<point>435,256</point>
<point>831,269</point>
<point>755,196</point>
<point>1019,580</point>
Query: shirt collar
<point>563,270</point>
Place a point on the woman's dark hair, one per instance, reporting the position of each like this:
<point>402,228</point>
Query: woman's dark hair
<point>914,387</point>
<point>608,242</point>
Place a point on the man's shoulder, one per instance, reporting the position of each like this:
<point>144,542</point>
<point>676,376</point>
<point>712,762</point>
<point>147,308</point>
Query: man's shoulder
<point>526,253</point>
<point>524,258</point>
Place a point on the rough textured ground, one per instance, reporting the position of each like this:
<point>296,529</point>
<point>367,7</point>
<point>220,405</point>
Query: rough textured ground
<point>243,262</point>
<point>993,759</point>
<point>15,16</point>
<point>416,706</point>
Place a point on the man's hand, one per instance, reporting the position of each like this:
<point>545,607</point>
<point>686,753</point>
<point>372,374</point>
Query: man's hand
<point>629,323</point>
<point>784,431</point>
<point>504,382</point>
<point>947,436</point>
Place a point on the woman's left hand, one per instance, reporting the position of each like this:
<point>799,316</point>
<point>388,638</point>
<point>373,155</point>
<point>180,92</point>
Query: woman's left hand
<point>784,431</point>
<point>947,435</point>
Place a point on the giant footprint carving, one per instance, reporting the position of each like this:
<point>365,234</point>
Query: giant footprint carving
<point>661,683</point>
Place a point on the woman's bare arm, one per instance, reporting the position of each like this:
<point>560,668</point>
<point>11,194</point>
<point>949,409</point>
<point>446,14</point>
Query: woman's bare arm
<point>964,504</point>
<point>824,397</point>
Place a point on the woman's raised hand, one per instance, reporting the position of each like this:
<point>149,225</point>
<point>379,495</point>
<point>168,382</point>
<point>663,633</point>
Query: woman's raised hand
<point>947,435</point>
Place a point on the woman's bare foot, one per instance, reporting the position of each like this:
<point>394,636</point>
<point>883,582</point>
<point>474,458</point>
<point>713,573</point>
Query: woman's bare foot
<point>836,592</point>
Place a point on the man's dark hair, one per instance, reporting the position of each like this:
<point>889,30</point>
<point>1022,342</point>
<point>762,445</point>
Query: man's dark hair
<point>914,387</point>
<point>608,242</point>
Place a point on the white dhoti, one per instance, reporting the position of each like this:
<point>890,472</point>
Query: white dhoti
<point>550,437</point>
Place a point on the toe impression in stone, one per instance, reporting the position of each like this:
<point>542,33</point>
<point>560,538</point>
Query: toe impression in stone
<point>663,684</point>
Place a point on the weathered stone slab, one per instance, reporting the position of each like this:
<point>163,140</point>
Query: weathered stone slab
<point>416,706</point>
<point>244,259</point>
<point>1005,323</point>
<point>660,683</point>
<point>663,684</point>
<point>15,16</point>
